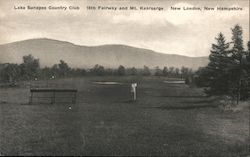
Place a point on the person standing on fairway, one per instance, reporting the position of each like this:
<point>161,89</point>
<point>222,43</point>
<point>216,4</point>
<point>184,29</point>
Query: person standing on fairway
<point>133,90</point>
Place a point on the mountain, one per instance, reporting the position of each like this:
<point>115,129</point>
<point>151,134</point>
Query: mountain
<point>51,51</point>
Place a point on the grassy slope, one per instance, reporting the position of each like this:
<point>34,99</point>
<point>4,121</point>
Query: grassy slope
<point>105,122</point>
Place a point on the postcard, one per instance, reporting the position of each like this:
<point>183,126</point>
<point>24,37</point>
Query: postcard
<point>124,78</point>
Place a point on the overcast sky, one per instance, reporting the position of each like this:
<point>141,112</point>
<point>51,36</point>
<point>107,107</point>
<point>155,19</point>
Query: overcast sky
<point>176,32</point>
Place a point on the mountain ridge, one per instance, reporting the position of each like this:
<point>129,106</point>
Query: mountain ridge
<point>50,51</point>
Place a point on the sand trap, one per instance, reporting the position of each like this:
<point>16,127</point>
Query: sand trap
<point>175,82</point>
<point>107,83</point>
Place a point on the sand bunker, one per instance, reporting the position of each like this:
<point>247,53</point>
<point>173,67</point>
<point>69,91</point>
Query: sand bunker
<point>107,83</point>
<point>175,82</point>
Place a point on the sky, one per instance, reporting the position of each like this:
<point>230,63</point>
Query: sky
<point>183,32</point>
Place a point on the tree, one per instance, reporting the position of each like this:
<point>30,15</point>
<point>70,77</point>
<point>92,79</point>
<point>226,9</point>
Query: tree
<point>165,71</point>
<point>248,66</point>
<point>177,72</point>
<point>146,71</point>
<point>248,47</point>
<point>218,78</point>
<point>64,69</point>
<point>10,73</point>
<point>98,70</point>
<point>121,70</point>
<point>184,72</point>
<point>158,71</point>
<point>238,68</point>
<point>30,67</point>
<point>248,57</point>
<point>171,71</point>
<point>237,40</point>
<point>54,71</point>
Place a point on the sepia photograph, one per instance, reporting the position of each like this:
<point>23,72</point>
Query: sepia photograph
<point>124,78</point>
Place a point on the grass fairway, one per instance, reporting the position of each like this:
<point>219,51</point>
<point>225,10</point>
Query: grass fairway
<point>167,119</point>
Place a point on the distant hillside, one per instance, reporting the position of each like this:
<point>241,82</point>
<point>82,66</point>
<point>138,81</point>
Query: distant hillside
<point>51,51</point>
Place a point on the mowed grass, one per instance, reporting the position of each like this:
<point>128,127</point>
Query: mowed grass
<point>166,120</point>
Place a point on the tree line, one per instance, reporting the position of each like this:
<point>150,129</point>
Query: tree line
<point>30,69</point>
<point>228,71</point>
